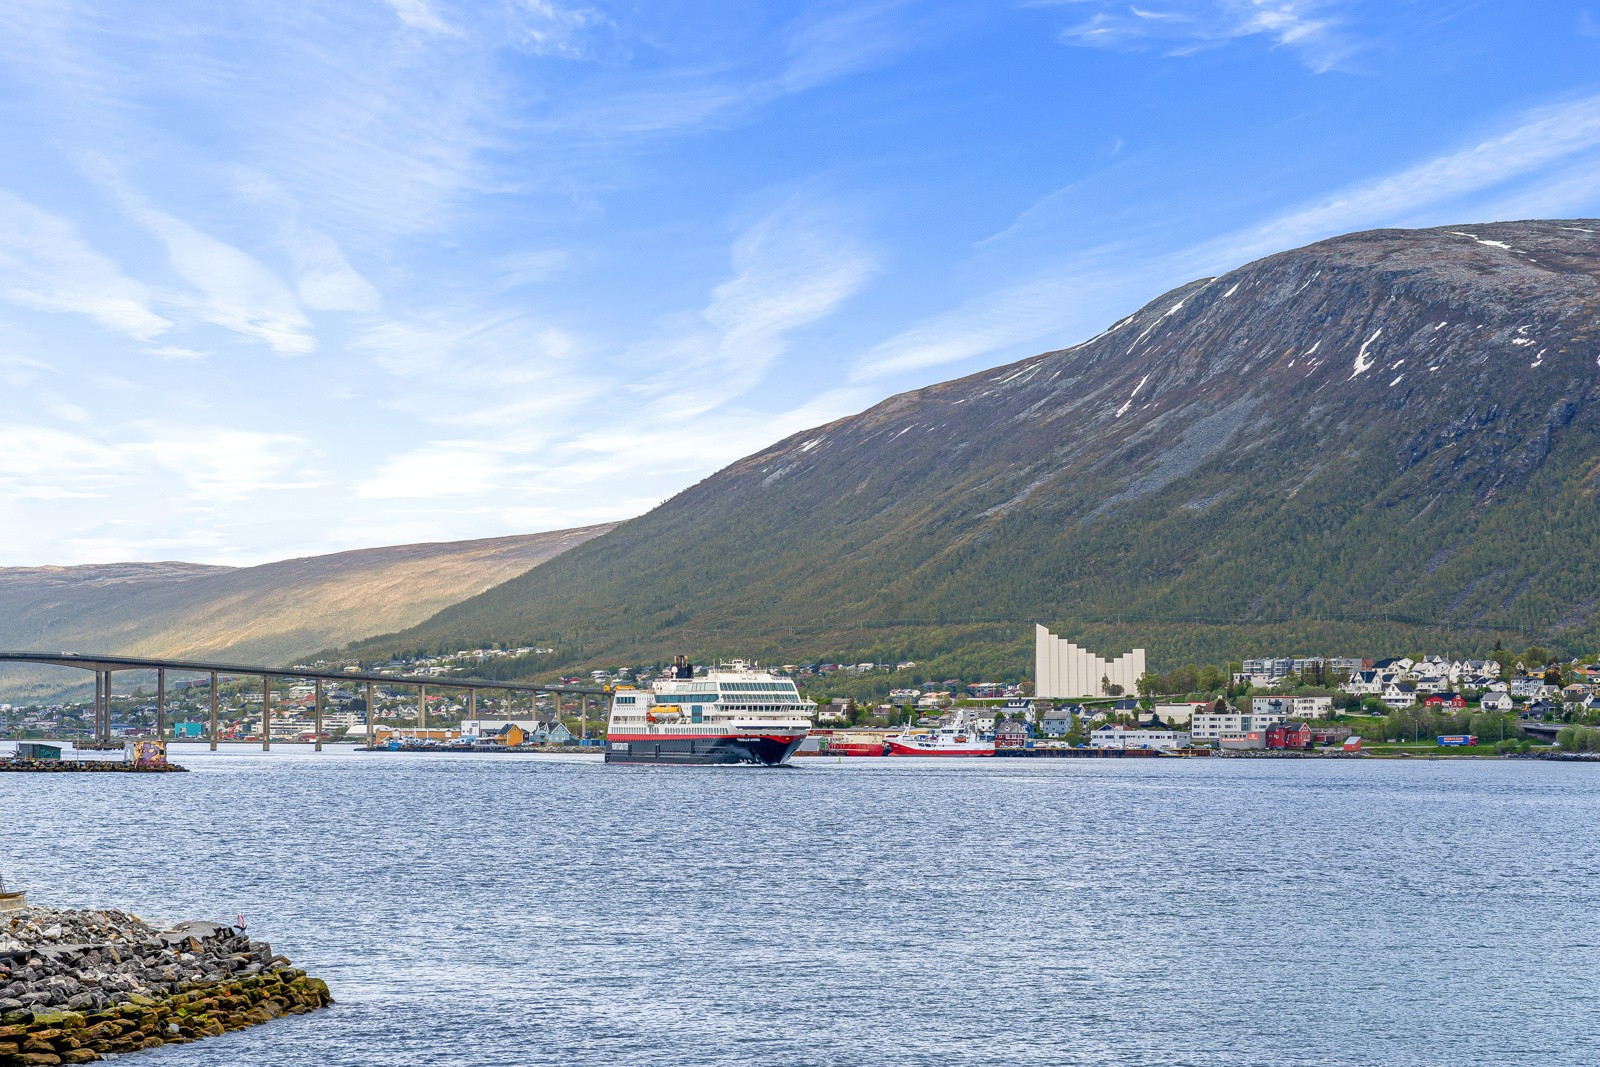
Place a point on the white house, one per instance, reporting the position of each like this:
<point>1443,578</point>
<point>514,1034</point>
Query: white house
<point>1526,687</point>
<point>1497,701</point>
<point>1179,714</point>
<point>1365,683</point>
<point>1398,695</point>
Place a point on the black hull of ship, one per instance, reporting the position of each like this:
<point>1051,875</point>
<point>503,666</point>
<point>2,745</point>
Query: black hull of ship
<point>703,751</point>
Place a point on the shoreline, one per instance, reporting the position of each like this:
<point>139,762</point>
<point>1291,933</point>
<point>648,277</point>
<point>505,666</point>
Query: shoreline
<point>79,985</point>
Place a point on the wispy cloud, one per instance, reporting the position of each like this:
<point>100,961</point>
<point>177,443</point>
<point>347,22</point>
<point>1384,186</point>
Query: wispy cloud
<point>325,280</point>
<point>792,268</point>
<point>420,16</point>
<point>505,373</point>
<point>813,49</point>
<point>1181,27</point>
<point>45,264</point>
<point>224,464</point>
<point>231,288</point>
<point>548,28</point>
<point>1548,160</point>
<point>1543,146</point>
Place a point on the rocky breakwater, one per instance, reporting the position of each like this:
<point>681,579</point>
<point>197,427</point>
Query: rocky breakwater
<point>79,985</point>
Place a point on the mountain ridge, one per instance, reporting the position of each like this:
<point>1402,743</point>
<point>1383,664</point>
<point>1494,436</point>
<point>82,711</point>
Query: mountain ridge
<point>1331,447</point>
<point>274,613</point>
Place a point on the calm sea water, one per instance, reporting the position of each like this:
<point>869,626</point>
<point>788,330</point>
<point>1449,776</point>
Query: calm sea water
<point>509,910</point>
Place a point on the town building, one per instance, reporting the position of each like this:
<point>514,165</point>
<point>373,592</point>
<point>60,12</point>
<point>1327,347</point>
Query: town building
<point>1013,733</point>
<point>1289,735</point>
<point>1399,695</point>
<point>1115,735</point>
<point>1055,722</point>
<point>1215,725</point>
<point>1293,707</point>
<point>1062,670</point>
<point>1176,714</point>
<point>1268,671</point>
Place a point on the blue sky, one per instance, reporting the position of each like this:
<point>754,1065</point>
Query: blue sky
<point>282,278</point>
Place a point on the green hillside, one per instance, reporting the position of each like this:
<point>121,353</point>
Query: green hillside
<point>1384,442</point>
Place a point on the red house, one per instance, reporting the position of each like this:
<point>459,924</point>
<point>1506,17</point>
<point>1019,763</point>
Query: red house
<point>1454,701</point>
<point>1296,735</point>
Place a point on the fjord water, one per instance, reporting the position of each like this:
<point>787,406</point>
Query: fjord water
<point>509,910</point>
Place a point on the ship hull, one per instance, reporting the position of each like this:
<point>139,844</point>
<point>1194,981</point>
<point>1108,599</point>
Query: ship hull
<point>855,748</point>
<point>898,749</point>
<point>664,749</point>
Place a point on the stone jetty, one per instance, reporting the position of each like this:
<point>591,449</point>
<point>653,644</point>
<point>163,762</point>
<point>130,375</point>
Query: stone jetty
<point>58,766</point>
<point>78,985</point>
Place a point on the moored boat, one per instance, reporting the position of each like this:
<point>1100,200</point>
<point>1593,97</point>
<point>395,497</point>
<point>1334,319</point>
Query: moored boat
<point>956,739</point>
<point>855,743</point>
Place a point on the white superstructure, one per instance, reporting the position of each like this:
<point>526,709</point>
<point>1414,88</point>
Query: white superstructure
<point>727,713</point>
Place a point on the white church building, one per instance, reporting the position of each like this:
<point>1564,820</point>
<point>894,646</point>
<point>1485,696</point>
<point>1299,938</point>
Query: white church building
<point>1062,670</point>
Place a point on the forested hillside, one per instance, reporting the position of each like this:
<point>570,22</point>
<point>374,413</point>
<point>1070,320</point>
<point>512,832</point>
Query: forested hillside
<point>1378,443</point>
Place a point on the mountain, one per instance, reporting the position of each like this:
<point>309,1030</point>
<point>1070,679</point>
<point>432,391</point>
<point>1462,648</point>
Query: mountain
<point>275,613</point>
<point>1377,443</point>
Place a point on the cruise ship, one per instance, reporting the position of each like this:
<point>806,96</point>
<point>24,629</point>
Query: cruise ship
<point>735,713</point>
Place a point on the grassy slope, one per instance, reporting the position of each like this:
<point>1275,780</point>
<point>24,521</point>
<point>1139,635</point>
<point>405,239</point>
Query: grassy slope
<point>275,613</point>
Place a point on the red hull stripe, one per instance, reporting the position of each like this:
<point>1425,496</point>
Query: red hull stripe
<point>896,750</point>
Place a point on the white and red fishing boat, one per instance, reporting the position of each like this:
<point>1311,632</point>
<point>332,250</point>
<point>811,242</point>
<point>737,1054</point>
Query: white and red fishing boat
<point>956,739</point>
<point>730,714</point>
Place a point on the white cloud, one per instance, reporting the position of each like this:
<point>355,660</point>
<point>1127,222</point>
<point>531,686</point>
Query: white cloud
<point>547,28</point>
<point>223,464</point>
<point>420,16</point>
<point>325,280</point>
<point>793,268</point>
<point>441,469</point>
<point>1025,311</point>
<point>1541,139</point>
<point>178,353</point>
<point>1188,26</point>
<point>527,268</point>
<point>45,264</point>
<point>1550,160</point>
<point>42,463</point>
<point>812,50</point>
<point>235,291</point>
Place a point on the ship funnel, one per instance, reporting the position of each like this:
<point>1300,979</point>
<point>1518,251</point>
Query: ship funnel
<point>681,668</point>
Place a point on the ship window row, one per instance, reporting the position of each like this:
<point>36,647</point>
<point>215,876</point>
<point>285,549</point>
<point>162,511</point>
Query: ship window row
<point>758,687</point>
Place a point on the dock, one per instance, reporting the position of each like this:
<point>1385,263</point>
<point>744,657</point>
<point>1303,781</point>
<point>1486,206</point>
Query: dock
<point>1079,753</point>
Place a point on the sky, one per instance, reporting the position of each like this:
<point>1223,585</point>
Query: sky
<point>282,278</point>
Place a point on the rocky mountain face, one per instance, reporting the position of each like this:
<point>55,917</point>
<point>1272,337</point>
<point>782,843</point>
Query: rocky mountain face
<point>275,613</point>
<point>1373,443</point>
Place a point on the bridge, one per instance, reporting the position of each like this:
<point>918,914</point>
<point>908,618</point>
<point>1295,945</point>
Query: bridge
<point>104,666</point>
